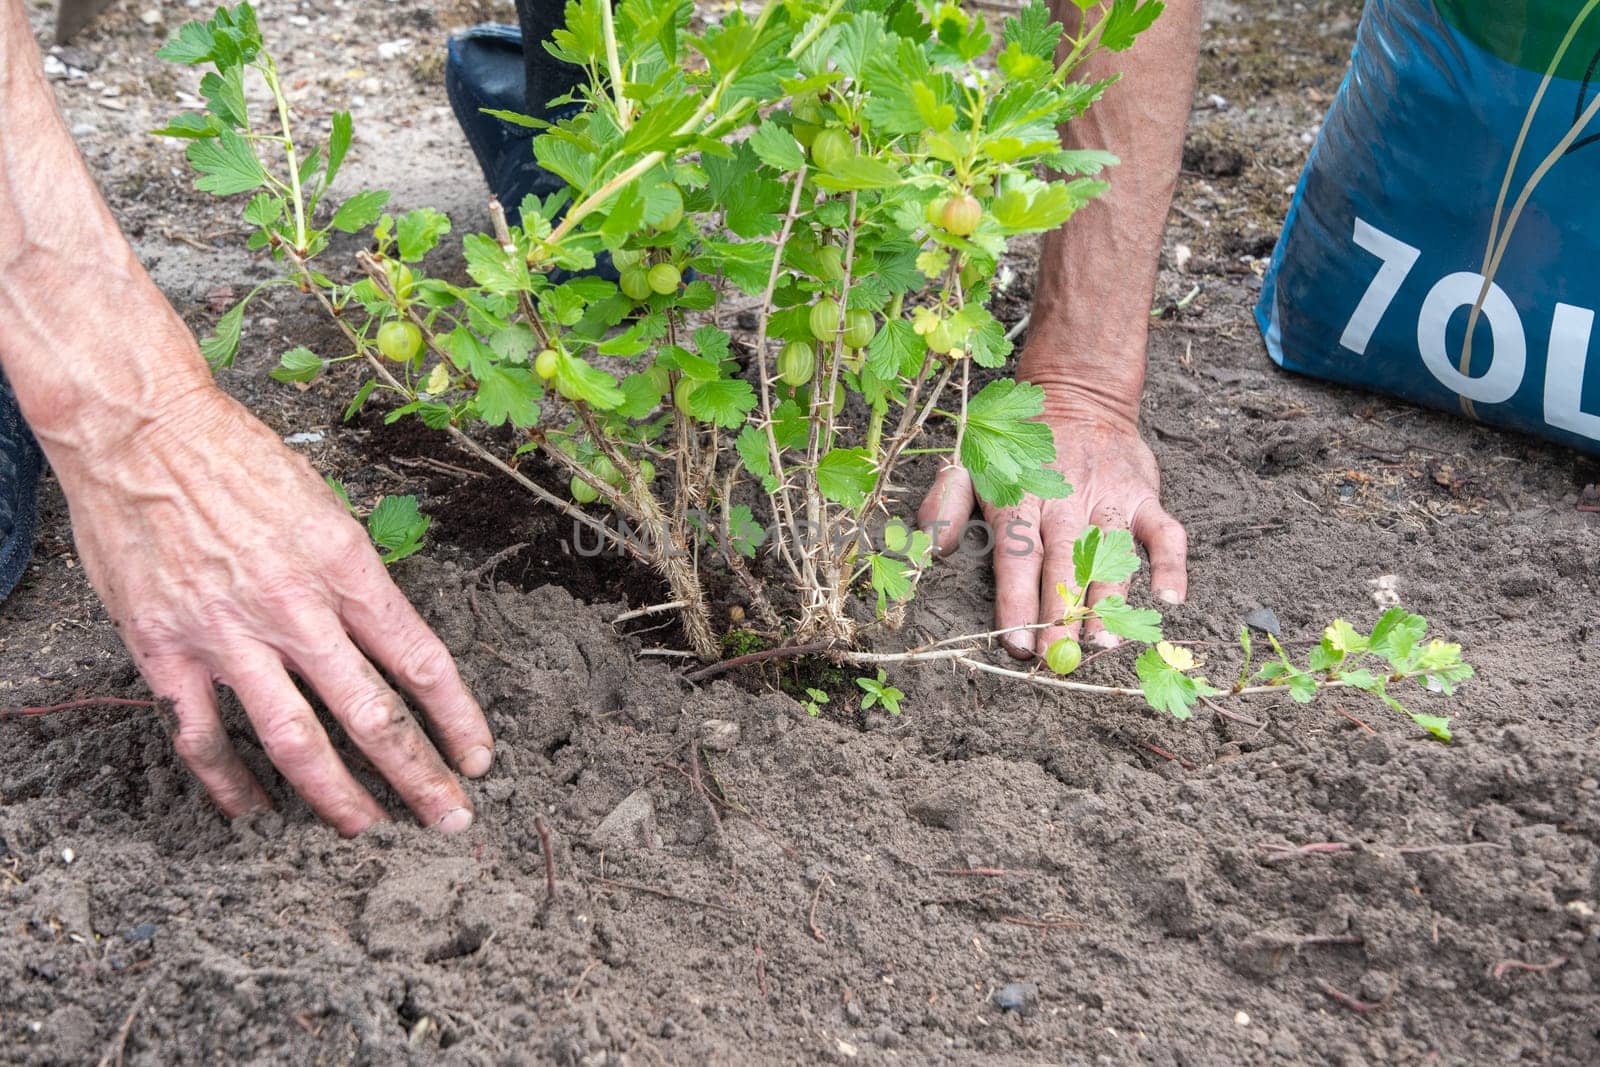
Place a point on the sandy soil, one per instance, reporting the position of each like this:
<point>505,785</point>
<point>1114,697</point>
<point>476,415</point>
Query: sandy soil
<point>736,882</point>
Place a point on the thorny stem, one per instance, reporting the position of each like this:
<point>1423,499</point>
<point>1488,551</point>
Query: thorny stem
<point>780,499</point>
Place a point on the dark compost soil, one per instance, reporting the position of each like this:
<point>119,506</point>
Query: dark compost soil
<point>797,890</point>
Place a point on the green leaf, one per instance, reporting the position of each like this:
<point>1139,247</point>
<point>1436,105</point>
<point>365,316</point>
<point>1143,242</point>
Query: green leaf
<point>417,232</point>
<point>1166,688</point>
<point>191,45</point>
<point>896,351</point>
<point>359,401</point>
<point>723,401</point>
<point>338,144</point>
<point>1103,556</point>
<point>1128,19</point>
<point>859,172</point>
<point>890,579</point>
<point>224,93</point>
<point>360,211</point>
<point>776,147</point>
<point>1396,635</point>
<point>1034,30</point>
<point>744,531</point>
<point>751,444</point>
<point>222,344</point>
<point>340,491</point>
<point>516,118</point>
<point>1005,451</point>
<point>508,394</point>
<point>1437,725</point>
<point>577,379</point>
<point>492,267</point>
<point>299,364</point>
<point>846,475</point>
<point>397,526</point>
<point>189,125</point>
<point>227,165</point>
<point>1052,206</point>
<point>1126,621</point>
<point>264,209</point>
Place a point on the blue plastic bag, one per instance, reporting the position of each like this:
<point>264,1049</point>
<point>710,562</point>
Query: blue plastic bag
<point>1456,179</point>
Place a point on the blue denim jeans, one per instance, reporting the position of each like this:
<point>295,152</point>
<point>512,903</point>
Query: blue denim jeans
<point>20,462</point>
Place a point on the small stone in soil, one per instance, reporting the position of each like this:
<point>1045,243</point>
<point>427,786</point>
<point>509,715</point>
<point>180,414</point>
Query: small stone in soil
<point>1264,620</point>
<point>1020,997</point>
<point>142,932</point>
<point>719,735</point>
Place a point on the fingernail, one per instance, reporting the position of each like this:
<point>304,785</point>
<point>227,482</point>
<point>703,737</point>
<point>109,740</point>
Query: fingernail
<point>1169,596</point>
<point>1106,639</point>
<point>454,821</point>
<point>1020,646</point>
<point>477,762</point>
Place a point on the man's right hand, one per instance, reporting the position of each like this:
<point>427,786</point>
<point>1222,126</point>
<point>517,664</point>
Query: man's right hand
<point>223,557</point>
<point>1115,485</point>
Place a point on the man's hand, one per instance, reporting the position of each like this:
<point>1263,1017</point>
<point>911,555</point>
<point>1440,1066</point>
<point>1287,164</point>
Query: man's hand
<point>1086,349</point>
<point>1115,484</point>
<point>220,554</point>
<point>224,558</point>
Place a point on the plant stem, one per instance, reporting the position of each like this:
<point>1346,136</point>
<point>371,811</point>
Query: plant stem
<point>269,70</point>
<point>614,65</point>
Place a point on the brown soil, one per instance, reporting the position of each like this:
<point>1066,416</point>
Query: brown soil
<point>830,891</point>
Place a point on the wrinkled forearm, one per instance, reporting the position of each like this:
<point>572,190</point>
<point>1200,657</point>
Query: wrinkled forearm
<point>93,349</point>
<point>1097,274</point>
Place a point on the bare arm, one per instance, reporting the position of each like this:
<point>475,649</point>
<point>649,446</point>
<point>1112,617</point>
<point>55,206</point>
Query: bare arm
<point>219,553</point>
<point>1086,346</point>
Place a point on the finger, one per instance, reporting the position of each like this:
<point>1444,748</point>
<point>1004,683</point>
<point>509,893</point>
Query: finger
<point>1094,630</point>
<point>946,508</point>
<point>1167,544</point>
<point>377,720</point>
<point>201,740</point>
<point>1018,556</point>
<point>1056,571</point>
<point>296,743</point>
<point>384,623</point>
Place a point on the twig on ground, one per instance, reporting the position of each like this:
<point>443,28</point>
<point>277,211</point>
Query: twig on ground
<point>1499,970</point>
<point>639,887</point>
<point>711,670</point>
<point>549,860</point>
<point>577,986</point>
<point>982,872</point>
<point>86,702</point>
<point>495,560</point>
<point>1170,757</point>
<point>1340,711</point>
<point>668,653</point>
<point>1041,924</point>
<point>761,971</point>
<point>1339,997</point>
<point>439,465</point>
<point>699,783</point>
<point>1284,853</point>
<point>653,609</point>
<point>119,1041</point>
<point>811,918</point>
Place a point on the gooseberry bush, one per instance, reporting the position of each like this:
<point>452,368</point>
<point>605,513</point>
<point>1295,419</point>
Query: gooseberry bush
<point>850,174</point>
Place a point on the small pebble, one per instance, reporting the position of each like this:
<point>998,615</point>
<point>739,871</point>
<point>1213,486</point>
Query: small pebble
<point>142,932</point>
<point>1264,620</point>
<point>1020,997</point>
<point>67,855</point>
<point>1241,1018</point>
<point>151,17</point>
